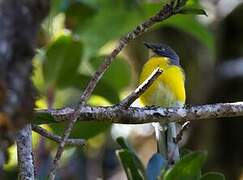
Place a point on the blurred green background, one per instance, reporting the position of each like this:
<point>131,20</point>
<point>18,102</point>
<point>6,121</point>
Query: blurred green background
<point>74,40</point>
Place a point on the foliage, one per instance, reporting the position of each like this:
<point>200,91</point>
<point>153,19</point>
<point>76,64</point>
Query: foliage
<point>74,41</point>
<point>72,55</point>
<point>189,167</point>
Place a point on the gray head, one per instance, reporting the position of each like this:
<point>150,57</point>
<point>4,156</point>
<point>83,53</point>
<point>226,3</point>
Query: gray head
<point>164,51</point>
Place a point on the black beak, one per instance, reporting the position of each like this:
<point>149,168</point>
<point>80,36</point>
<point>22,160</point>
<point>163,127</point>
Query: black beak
<point>149,45</point>
<point>152,46</point>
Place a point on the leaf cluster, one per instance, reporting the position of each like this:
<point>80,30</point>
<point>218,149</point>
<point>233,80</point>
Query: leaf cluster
<point>189,167</point>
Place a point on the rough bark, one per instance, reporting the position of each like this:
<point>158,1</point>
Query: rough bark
<point>19,22</point>
<point>25,156</point>
<point>135,115</point>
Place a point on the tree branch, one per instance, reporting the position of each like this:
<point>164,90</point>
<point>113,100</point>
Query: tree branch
<point>58,139</point>
<point>161,15</point>
<point>135,115</point>
<point>164,13</point>
<point>25,156</point>
<point>141,89</point>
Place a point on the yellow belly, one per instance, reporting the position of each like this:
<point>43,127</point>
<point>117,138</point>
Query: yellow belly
<point>169,89</point>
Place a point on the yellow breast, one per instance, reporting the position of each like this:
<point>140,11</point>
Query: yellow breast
<point>169,89</point>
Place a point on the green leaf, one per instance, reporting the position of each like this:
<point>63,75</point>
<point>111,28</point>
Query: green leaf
<point>129,164</point>
<point>124,144</point>
<point>113,20</point>
<point>213,176</point>
<point>188,168</point>
<point>62,60</point>
<point>118,75</point>
<point>189,10</point>
<point>83,130</point>
<point>188,24</point>
<point>77,11</point>
<point>191,25</point>
<point>43,118</point>
<point>103,89</point>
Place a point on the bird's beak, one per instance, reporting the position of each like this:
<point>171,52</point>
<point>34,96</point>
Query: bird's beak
<point>152,46</point>
<point>149,45</point>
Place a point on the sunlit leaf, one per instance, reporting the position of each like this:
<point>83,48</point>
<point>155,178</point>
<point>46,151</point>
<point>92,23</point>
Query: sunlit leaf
<point>107,25</point>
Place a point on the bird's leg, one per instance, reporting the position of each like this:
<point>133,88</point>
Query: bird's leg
<point>173,153</point>
<point>165,136</point>
<point>160,134</point>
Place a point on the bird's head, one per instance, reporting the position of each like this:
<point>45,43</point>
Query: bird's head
<point>164,51</point>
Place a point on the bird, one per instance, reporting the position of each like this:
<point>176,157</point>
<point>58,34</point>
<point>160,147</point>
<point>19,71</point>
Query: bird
<point>168,90</point>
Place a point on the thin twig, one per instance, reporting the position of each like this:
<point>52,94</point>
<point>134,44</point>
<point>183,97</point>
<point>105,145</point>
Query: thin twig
<point>161,15</point>
<point>73,118</point>
<point>141,89</point>
<point>56,138</point>
<point>184,127</point>
<point>136,115</point>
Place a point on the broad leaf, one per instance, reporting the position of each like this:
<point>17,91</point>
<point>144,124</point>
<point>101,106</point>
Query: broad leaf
<point>103,89</point>
<point>124,144</point>
<point>190,25</point>
<point>184,23</point>
<point>118,75</point>
<point>129,164</point>
<point>107,25</point>
<point>77,11</point>
<point>188,168</point>
<point>62,59</point>
<point>83,130</point>
<point>43,118</point>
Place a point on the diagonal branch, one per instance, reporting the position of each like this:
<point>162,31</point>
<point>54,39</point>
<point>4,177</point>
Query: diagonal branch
<point>56,138</point>
<point>141,89</point>
<point>161,15</point>
<point>135,115</point>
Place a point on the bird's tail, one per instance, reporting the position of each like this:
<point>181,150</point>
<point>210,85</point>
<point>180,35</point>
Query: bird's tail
<point>165,136</point>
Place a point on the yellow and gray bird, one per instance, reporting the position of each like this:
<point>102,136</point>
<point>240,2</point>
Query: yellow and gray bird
<point>168,90</point>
